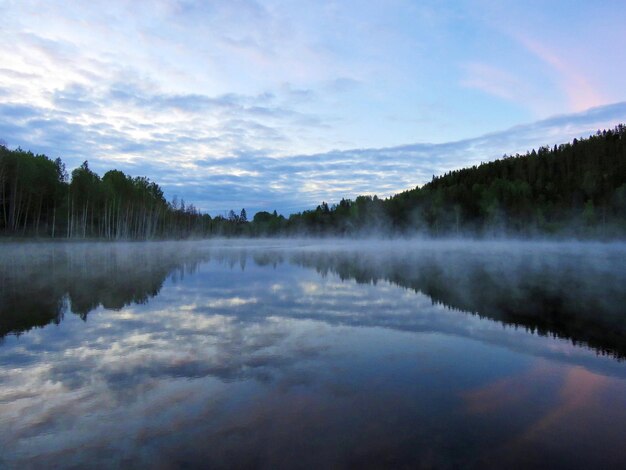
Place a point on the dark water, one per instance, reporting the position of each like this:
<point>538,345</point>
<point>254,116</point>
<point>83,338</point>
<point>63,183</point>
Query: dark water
<point>313,355</point>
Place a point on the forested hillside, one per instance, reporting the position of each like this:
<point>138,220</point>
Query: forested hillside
<point>576,189</point>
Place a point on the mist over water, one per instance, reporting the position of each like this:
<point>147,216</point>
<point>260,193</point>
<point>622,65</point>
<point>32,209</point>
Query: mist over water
<point>301,353</point>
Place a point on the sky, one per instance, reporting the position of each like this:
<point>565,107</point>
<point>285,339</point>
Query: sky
<point>285,104</point>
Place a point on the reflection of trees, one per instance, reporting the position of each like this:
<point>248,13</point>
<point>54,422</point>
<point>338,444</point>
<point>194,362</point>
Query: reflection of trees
<point>39,284</point>
<point>577,296</point>
<point>20,312</point>
<point>571,296</point>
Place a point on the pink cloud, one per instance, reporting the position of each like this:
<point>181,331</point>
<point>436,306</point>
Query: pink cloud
<point>580,92</point>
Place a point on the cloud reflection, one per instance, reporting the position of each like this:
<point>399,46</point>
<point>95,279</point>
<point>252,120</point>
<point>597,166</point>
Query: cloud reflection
<point>276,363</point>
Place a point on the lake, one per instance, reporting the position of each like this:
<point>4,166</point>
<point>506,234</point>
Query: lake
<point>313,354</point>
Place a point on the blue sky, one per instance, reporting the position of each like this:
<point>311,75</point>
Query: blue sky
<point>266,104</point>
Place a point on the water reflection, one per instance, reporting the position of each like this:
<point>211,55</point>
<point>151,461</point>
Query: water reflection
<point>249,357</point>
<point>567,291</point>
<point>40,283</point>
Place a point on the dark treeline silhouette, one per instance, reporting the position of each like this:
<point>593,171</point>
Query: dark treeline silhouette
<point>38,198</point>
<point>577,188</point>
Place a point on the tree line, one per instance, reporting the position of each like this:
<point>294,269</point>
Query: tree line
<point>39,198</point>
<point>577,188</point>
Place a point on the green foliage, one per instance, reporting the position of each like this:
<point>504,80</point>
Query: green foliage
<point>36,199</point>
<point>576,189</point>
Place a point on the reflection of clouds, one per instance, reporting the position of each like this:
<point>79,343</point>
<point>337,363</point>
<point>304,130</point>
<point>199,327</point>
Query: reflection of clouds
<point>225,359</point>
<point>447,270</point>
<point>224,303</point>
<point>83,382</point>
<point>309,287</point>
<point>276,287</point>
<point>497,396</point>
<point>194,346</point>
<point>232,302</point>
<point>562,409</point>
<point>580,391</point>
<point>571,290</point>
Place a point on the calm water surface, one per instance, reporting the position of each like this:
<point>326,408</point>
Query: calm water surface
<point>313,355</point>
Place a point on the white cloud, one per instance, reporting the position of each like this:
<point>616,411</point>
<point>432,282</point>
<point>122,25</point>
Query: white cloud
<point>231,104</point>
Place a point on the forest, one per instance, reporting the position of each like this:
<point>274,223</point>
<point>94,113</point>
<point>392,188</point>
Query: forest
<point>575,189</point>
<point>38,198</point>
